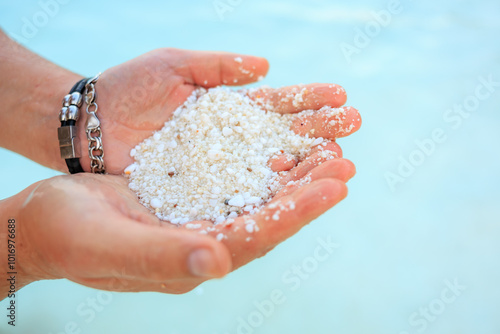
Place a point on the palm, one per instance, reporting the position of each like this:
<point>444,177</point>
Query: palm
<point>74,216</point>
<point>100,236</point>
<point>139,96</point>
<point>112,242</point>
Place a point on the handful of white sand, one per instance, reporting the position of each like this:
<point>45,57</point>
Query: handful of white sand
<point>210,161</point>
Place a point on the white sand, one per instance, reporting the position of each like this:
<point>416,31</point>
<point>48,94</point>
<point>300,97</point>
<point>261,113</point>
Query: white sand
<point>210,161</point>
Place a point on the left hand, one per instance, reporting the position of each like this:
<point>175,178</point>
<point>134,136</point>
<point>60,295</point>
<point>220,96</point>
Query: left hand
<point>136,98</point>
<point>92,230</point>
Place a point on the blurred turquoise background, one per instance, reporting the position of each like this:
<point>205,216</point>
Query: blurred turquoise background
<point>416,254</point>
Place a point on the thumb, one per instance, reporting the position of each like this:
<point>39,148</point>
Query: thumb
<point>210,68</point>
<point>161,253</point>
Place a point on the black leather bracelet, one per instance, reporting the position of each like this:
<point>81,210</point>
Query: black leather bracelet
<point>79,87</point>
<point>69,143</point>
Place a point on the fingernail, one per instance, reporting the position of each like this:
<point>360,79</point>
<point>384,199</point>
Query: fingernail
<point>202,263</point>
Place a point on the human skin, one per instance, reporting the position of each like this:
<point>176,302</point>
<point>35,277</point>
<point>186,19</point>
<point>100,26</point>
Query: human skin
<point>135,99</point>
<point>91,228</point>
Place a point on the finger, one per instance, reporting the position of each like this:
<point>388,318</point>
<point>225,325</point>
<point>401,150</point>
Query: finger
<point>328,122</point>
<point>282,162</point>
<point>340,169</point>
<point>306,166</point>
<point>251,237</point>
<point>328,146</point>
<point>293,99</point>
<point>119,282</point>
<point>151,253</point>
<point>210,69</point>
<point>285,162</point>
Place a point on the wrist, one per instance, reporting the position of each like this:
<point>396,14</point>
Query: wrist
<point>31,92</point>
<point>61,87</point>
<point>72,131</point>
<point>35,118</point>
<point>84,152</point>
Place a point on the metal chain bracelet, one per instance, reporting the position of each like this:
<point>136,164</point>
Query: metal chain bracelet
<point>93,128</point>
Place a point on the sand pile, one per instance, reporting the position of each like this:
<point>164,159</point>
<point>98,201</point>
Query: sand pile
<point>210,161</point>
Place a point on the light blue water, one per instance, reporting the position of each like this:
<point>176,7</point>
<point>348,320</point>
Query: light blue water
<point>396,247</point>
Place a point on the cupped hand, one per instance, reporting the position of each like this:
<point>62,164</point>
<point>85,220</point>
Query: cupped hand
<point>136,98</point>
<point>92,230</point>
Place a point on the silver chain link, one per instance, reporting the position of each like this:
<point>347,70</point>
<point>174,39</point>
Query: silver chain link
<point>94,134</point>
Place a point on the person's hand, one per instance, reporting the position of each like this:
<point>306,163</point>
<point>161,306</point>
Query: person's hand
<point>136,98</point>
<point>92,230</point>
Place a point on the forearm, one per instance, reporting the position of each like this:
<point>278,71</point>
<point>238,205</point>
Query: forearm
<point>31,91</point>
